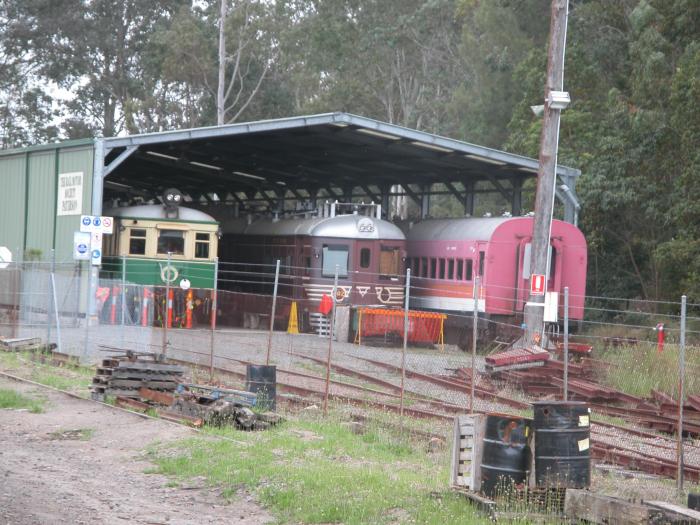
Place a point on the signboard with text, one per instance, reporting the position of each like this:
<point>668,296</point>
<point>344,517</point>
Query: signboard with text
<point>70,194</point>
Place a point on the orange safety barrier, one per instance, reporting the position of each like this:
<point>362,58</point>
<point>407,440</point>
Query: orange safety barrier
<point>423,327</point>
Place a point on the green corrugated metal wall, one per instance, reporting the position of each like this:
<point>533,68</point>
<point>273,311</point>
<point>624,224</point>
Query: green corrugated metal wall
<point>12,178</point>
<point>28,178</point>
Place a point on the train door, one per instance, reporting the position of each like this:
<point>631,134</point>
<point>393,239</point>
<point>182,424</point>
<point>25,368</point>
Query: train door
<point>364,269</point>
<point>522,274</point>
<point>364,266</point>
<point>522,282</point>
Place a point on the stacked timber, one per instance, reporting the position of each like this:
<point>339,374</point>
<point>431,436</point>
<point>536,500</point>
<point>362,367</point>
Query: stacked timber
<point>21,344</point>
<point>125,376</point>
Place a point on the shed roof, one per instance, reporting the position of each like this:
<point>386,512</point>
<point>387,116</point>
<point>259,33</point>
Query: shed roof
<point>301,155</point>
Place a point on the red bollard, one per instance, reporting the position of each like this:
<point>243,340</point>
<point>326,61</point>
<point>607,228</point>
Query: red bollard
<point>659,329</point>
<point>188,309</point>
<point>144,308</point>
<point>169,308</point>
<point>113,307</point>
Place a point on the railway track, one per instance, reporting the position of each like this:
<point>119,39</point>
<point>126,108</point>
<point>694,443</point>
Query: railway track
<point>627,446</point>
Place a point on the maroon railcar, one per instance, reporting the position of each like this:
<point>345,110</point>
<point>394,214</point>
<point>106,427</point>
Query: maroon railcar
<point>368,252</point>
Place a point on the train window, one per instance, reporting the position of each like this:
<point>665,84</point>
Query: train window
<point>451,269</point>
<point>433,267</point>
<point>389,262</point>
<point>137,242</point>
<point>201,246</point>
<point>460,269</point>
<point>335,255</point>
<point>416,266</point>
<point>364,258</point>
<point>424,267</point>
<point>482,256</point>
<point>468,273</point>
<point>442,268</point>
<point>171,241</point>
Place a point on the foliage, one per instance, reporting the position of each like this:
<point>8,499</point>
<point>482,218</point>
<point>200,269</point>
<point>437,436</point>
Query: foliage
<point>469,69</point>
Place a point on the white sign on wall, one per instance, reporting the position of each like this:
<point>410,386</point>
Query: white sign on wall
<point>81,246</point>
<point>70,193</point>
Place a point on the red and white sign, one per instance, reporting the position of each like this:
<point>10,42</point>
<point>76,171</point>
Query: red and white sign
<point>536,284</point>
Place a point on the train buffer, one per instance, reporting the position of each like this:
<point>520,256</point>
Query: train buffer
<point>517,358</point>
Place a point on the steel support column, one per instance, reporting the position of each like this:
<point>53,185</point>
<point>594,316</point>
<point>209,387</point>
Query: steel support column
<point>517,202</point>
<point>469,198</point>
<point>425,200</point>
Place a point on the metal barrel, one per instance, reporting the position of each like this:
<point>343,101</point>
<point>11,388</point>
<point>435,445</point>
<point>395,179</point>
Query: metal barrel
<point>262,380</point>
<point>562,444</point>
<point>505,457</point>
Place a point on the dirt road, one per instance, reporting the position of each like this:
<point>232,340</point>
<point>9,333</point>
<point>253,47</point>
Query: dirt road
<point>79,462</point>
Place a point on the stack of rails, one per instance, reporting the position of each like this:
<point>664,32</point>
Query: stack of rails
<point>124,377</point>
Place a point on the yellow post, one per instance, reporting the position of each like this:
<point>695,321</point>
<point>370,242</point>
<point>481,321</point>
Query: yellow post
<point>358,336</point>
<point>293,325</point>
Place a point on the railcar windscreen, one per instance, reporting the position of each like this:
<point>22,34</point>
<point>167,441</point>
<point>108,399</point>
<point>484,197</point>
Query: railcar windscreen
<point>335,255</point>
<point>171,241</point>
<point>201,246</point>
<point>137,241</point>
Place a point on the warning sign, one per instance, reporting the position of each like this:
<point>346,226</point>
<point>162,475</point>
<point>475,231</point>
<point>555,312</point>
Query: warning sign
<point>536,284</point>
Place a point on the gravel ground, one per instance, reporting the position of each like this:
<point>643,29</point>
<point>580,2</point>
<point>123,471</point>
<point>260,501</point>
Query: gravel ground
<point>80,462</point>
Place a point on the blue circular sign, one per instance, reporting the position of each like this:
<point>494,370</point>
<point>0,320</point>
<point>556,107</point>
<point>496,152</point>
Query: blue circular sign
<point>82,248</point>
<point>87,221</point>
<point>95,254</point>
<point>96,221</point>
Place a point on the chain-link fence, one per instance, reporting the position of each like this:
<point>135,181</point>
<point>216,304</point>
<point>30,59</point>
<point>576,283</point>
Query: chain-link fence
<point>626,358</point>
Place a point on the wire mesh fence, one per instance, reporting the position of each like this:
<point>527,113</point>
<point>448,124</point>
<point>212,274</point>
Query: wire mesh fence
<point>621,361</point>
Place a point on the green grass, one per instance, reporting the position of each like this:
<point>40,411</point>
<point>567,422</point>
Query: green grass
<point>317,471</point>
<point>639,369</point>
<point>15,400</point>
<point>68,377</point>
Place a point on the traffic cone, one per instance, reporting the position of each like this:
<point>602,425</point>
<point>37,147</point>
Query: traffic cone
<point>293,325</point>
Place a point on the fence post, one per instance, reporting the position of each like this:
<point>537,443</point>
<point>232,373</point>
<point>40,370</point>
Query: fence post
<point>474,337</point>
<point>49,299</point>
<point>405,337</point>
<point>56,312</point>
<point>330,344</point>
<point>681,393</point>
<point>123,301</point>
<point>272,312</point>
<point>167,305</point>
<point>566,343</point>
<point>213,320</point>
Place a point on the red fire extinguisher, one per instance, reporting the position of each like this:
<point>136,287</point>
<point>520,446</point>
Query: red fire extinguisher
<point>659,329</point>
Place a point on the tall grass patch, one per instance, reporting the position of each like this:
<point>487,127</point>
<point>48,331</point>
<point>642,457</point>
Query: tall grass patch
<point>639,369</point>
<point>14,400</point>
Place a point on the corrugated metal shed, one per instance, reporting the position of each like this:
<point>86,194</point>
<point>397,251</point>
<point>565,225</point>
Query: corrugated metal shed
<point>28,201</point>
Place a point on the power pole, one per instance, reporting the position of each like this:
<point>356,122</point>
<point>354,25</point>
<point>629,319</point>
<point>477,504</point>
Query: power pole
<point>220,108</point>
<point>555,101</point>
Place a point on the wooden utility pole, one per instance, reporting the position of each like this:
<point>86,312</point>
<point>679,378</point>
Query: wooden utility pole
<point>547,176</point>
<point>220,96</point>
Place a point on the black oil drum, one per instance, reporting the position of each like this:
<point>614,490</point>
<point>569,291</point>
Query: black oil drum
<point>506,456</point>
<point>262,380</point>
<point>694,501</point>
<point>562,444</point>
